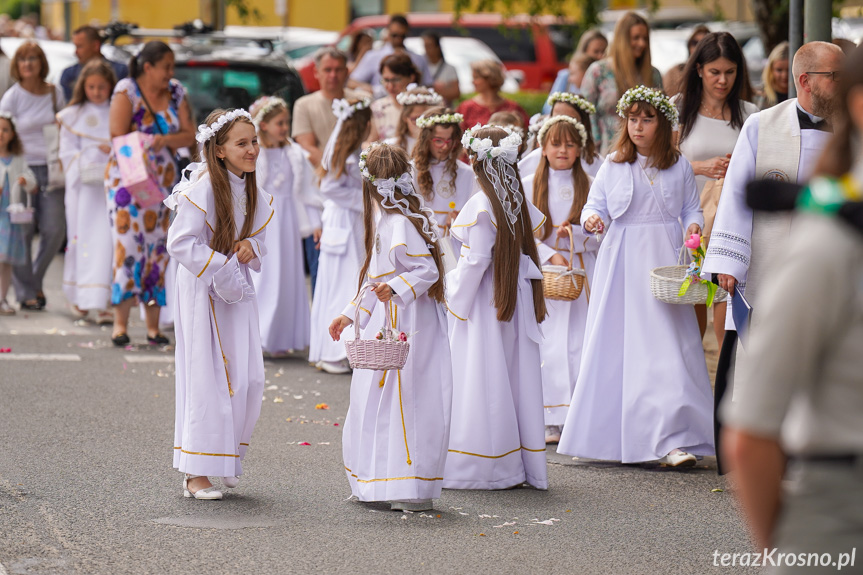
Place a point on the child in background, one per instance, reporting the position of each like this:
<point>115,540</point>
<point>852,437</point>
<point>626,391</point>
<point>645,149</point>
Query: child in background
<point>643,392</point>
<point>574,106</point>
<point>496,435</point>
<point>414,102</point>
<point>85,146</point>
<point>341,240</point>
<point>14,175</point>
<point>218,237</point>
<point>397,427</point>
<point>513,122</point>
<point>283,172</point>
<point>559,190</point>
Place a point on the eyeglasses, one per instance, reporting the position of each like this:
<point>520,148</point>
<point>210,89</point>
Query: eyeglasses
<point>835,75</point>
<point>441,142</point>
<point>393,80</point>
<point>30,59</point>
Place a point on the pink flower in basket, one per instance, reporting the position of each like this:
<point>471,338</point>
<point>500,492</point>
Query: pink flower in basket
<point>694,242</point>
<point>380,335</point>
<point>402,336</point>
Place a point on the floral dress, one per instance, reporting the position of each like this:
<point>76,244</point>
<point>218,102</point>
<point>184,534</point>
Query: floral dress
<point>599,87</point>
<point>139,235</point>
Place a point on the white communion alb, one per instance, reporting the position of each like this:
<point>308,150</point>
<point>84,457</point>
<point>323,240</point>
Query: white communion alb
<point>220,367</point>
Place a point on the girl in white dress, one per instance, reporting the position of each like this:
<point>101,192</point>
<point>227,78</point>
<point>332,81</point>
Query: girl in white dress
<point>397,428</point>
<point>643,392</point>
<point>559,190</point>
<point>341,239</point>
<point>85,144</point>
<point>218,237</point>
<point>283,298</point>
<point>445,183</point>
<point>495,298</point>
<point>574,106</point>
<point>414,102</point>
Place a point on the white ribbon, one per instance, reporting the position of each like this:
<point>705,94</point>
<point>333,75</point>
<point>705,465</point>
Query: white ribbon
<point>386,188</point>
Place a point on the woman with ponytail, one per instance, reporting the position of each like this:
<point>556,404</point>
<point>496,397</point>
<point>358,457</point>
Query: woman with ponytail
<point>217,238</point>
<point>496,439</point>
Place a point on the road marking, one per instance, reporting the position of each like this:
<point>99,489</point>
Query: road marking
<point>39,357</point>
<point>148,359</point>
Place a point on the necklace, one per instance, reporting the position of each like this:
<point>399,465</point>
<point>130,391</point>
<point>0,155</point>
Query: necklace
<point>650,178</point>
<point>713,115</point>
<point>242,202</point>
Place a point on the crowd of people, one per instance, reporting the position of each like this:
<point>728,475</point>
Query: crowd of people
<point>444,227</point>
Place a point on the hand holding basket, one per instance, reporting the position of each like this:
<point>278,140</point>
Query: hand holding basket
<point>563,282</point>
<point>386,353</point>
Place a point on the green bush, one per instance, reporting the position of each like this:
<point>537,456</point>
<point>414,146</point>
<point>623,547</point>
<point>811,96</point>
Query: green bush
<point>532,102</point>
<point>15,8</point>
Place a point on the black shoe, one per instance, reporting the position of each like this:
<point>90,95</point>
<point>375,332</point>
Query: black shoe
<point>32,306</point>
<point>158,339</point>
<point>120,340</point>
<point>40,299</point>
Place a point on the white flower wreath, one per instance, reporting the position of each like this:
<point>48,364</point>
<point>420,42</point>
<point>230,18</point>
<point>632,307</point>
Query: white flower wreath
<point>8,116</point>
<point>264,105</point>
<point>428,122</point>
<point>579,127</point>
<point>343,110</point>
<point>206,132</point>
<point>650,96</point>
<point>484,149</point>
<point>573,99</point>
<point>407,99</point>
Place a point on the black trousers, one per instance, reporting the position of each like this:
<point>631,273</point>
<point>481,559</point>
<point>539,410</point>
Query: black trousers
<point>723,369</point>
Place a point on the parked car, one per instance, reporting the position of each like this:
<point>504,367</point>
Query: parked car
<point>226,72</point>
<point>538,46</point>
<point>460,52</point>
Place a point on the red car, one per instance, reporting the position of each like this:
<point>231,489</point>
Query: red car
<point>538,46</point>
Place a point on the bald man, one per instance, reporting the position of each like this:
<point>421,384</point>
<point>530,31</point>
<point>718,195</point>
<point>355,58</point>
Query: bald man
<point>780,143</point>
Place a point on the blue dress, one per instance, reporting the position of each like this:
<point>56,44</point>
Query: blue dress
<point>13,237</point>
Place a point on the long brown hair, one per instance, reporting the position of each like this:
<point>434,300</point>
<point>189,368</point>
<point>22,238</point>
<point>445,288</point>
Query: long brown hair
<point>838,158</point>
<point>508,247</point>
<point>15,148</point>
<point>25,49</point>
<point>559,132</point>
<point>402,132</point>
<point>95,67</point>
<point>628,70</point>
<point>422,154</point>
<point>224,234</point>
<point>350,139</point>
<point>588,148</point>
<point>385,161</point>
<point>663,153</point>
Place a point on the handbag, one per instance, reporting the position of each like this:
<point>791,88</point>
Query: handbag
<point>181,161</point>
<point>709,202</point>
<point>51,132</point>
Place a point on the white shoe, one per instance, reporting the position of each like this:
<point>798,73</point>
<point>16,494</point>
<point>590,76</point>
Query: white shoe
<point>418,505</point>
<point>552,433</point>
<point>336,368</point>
<point>230,482</point>
<point>678,458</point>
<point>206,493</point>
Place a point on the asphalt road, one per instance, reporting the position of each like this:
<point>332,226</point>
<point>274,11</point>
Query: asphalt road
<point>86,484</point>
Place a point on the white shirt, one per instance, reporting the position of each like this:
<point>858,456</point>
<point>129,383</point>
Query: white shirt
<point>32,113</point>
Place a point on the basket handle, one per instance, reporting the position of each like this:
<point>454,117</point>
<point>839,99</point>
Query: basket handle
<point>387,329</point>
<point>571,246</point>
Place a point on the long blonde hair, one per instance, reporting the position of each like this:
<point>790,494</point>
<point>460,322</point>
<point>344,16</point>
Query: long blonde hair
<point>508,247</point>
<point>561,131</point>
<point>779,52</point>
<point>385,161</point>
<point>629,71</point>
<point>224,234</point>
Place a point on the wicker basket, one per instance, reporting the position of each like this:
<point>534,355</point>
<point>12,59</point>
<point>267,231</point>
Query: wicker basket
<point>563,282</point>
<point>376,354</point>
<point>19,196</point>
<point>665,284</point>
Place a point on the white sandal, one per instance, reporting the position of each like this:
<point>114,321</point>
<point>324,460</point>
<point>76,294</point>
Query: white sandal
<point>205,493</point>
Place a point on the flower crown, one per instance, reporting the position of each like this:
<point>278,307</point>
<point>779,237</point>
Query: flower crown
<point>485,150</point>
<point>650,96</point>
<point>573,99</point>
<point>264,105</point>
<point>407,99</point>
<point>429,121</point>
<point>343,110</point>
<point>206,132</point>
<point>535,123</point>
<point>579,127</point>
